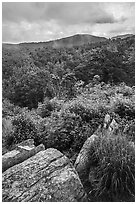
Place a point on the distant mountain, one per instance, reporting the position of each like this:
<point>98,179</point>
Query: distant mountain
<point>76,40</point>
<point>112,60</point>
<point>68,42</point>
<point>122,36</point>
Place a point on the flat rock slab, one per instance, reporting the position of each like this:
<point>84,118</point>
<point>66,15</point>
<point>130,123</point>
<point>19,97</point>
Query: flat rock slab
<point>10,154</point>
<point>46,177</point>
<point>18,155</point>
<point>28,142</point>
<point>27,148</point>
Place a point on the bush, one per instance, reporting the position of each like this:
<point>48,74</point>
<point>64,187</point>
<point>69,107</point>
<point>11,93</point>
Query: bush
<point>23,129</point>
<point>44,109</point>
<point>114,175</point>
<point>125,90</point>
<point>125,108</point>
<point>8,109</point>
<point>89,111</point>
<point>71,123</point>
<point>65,131</point>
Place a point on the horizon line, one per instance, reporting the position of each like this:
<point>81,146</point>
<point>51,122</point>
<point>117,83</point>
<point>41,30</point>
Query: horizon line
<point>25,42</point>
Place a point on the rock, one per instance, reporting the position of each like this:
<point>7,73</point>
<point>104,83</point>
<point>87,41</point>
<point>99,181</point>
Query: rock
<point>85,158</point>
<point>48,176</point>
<point>113,127</point>
<point>98,130</point>
<point>107,120</point>
<point>28,142</point>
<point>22,152</point>
<point>26,145</point>
<point>102,84</point>
<point>6,126</point>
<point>96,78</point>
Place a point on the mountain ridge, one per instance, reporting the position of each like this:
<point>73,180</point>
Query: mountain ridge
<point>122,36</point>
<point>58,39</point>
<point>66,42</point>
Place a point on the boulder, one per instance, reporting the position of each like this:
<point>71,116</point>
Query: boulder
<point>21,152</point>
<point>113,127</point>
<point>47,176</point>
<point>85,158</point>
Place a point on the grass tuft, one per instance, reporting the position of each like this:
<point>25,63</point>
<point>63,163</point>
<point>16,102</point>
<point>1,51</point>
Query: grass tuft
<point>114,176</point>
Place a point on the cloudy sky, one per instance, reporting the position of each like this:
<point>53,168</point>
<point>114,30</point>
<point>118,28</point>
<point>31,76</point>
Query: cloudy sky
<point>43,21</point>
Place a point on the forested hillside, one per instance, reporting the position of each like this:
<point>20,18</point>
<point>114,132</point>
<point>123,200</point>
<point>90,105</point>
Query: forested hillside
<point>60,96</point>
<point>40,72</point>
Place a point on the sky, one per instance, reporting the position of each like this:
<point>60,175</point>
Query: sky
<point>44,21</point>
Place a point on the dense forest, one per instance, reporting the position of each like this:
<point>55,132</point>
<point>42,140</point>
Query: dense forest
<point>60,96</point>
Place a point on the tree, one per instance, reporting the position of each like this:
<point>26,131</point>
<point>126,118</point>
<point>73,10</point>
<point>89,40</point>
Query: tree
<point>30,89</point>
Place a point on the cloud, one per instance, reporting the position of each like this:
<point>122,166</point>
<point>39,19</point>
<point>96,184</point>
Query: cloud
<point>41,21</point>
<point>66,13</point>
<point>25,31</point>
<point>16,12</point>
<point>78,13</point>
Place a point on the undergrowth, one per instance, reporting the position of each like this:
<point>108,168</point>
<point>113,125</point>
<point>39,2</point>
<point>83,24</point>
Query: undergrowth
<point>113,179</point>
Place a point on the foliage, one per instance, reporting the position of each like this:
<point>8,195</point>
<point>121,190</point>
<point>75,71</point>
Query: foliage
<point>114,175</point>
<point>9,109</point>
<point>23,129</point>
<point>27,72</point>
<point>124,107</point>
<point>65,131</point>
<point>45,109</point>
<point>29,89</point>
<point>67,88</point>
<point>87,109</point>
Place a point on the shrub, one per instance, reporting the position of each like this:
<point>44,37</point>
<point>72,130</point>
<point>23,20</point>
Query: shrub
<point>23,129</point>
<point>125,90</point>
<point>8,109</point>
<point>125,108</point>
<point>91,112</point>
<point>114,175</point>
<point>72,123</point>
<point>65,131</point>
<point>44,109</point>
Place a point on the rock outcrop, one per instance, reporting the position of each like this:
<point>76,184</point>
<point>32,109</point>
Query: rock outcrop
<point>47,176</point>
<point>22,151</point>
<point>113,127</point>
<point>85,158</point>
